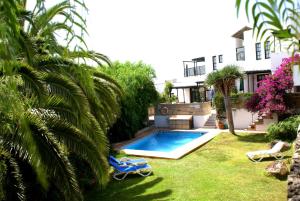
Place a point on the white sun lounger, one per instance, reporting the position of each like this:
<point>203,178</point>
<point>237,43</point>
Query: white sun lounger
<point>257,156</point>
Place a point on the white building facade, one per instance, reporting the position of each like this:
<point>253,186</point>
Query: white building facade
<point>255,58</point>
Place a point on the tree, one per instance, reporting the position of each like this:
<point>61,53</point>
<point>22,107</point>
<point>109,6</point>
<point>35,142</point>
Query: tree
<point>223,81</point>
<point>278,18</point>
<point>166,96</point>
<point>52,104</point>
<point>136,80</point>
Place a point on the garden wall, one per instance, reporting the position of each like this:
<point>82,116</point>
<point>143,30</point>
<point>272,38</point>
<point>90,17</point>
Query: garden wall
<point>200,112</point>
<point>242,118</point>
<point>294,101</point>
<point>184,109</point>
<point>294,176</point>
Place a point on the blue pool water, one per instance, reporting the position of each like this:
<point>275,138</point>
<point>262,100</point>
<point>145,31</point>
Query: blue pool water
<point>164,141</point>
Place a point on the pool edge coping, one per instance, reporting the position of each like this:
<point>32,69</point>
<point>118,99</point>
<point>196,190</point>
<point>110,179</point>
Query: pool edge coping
<point>177,153</point>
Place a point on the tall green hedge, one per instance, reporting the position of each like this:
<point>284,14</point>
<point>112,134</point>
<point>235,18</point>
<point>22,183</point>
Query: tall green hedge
<point>139,94</point>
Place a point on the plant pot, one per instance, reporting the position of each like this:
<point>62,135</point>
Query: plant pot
<point>219,124</point>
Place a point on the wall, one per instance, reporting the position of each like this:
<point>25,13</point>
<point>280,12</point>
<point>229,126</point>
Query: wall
<point>161,121</point>
<point>250,54</point>
<point>242,118</point>
<point>185,109</point>
<point>294,175</point>
<point>294,101</point>
<point>199,111</point>
<point>296,75</point>
<point>267,122</point>
<point>199,120</point>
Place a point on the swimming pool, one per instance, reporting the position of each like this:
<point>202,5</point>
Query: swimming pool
<point>168,144</point>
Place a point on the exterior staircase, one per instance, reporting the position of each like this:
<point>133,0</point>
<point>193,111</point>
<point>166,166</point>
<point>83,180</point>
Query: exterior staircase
<point>211,122</point>
<point>261,123</point>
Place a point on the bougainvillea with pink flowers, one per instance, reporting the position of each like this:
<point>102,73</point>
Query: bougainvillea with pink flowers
<point>272,89</point>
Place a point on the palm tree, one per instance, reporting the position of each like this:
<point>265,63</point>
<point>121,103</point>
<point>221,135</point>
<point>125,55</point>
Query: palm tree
<point>224,81</point>
<point>277,18</point>
<point>51,106</point>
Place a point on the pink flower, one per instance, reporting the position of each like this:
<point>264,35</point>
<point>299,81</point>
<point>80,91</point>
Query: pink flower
<point>271,91</point>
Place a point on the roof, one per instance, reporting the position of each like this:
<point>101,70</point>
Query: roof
<point>240,33</point>
<point>199,59</point>
<point>257,71</point>
<point>178,85</point>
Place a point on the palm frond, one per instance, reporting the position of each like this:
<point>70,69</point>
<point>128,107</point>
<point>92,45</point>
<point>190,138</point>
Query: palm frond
<point>15,180</point>
<point>82,146</point>
<point>54,156</point>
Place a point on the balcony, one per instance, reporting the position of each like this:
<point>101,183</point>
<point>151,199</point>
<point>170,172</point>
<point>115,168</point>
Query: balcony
<point>240,54</point>
<point>193,71</point>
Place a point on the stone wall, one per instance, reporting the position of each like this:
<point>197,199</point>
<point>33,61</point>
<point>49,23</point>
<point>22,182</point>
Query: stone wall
<point>294,176</point>
<point>293,101</point>
<point>183,109</point>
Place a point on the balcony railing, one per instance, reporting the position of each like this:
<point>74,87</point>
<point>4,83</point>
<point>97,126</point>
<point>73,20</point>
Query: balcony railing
<point>193,71</point>
<point>240,54</point>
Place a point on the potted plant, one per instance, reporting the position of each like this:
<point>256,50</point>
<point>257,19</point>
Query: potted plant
<point>220,122</point>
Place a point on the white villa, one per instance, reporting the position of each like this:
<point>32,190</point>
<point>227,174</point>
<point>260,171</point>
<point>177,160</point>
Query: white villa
<point>255,59</point>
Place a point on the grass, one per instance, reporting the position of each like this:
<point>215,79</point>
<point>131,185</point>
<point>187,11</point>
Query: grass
<point>216,171</point>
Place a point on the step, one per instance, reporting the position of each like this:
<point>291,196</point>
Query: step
<point>259,122</point>
<point>211,121</point>
<point>267,116</point>
<point>209,126</point>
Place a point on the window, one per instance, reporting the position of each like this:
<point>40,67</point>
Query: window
<point>258,51</point>
<point>221,58</point>
<point>240,54</point>
<point>195,95</point>
<point>214,60</point>
<point>267,49</point>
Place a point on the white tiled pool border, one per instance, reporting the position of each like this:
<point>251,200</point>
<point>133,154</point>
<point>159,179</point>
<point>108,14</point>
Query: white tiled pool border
<point>181,151</point>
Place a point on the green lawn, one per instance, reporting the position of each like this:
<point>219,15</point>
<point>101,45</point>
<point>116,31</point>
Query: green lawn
<point>218,170</point>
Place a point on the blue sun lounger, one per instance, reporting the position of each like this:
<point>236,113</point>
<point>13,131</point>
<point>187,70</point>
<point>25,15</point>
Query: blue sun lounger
<point>124,167</point>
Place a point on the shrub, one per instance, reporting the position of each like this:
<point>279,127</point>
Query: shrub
<point>166,97</point>
<point>252,103</point>
<point>139,94</point>
<point>238,100</point>
<point>273,88</point>
<point>218,103</point>
<point>284,130</point>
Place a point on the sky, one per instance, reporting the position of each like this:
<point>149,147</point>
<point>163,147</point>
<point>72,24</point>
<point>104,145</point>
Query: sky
<point>161,33</point>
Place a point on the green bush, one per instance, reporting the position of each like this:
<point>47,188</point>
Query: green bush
<point>218,103</point>
<point>238,100</point>
<point>285,130</point>
<point>166,96</point>
<point>139,95</point>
